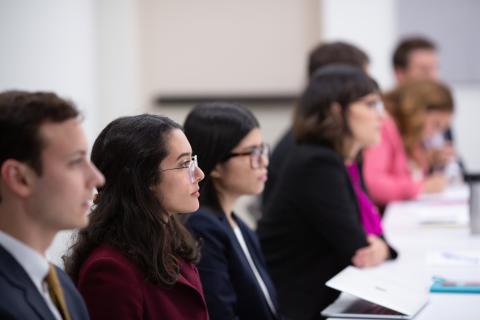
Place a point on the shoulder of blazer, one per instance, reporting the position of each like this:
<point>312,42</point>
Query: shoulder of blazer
<point>108,252</point>
<point>13,271</point>
<point>207,221</point>
<point>17,277</point>
<point>243,226</point>
<point>320,150</point>
<point>66,282</point>
<point>109,257</point>
<point>207,217</point>
<point>249,235</point>
<point>309,154</point>
<point>74,300</point>
<point>325,160</point>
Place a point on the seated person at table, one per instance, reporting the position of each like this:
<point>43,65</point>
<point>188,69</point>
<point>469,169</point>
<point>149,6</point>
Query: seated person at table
<point>46,184</point>
<point>400,166</point>
<point>312,226</point>
<point>322,55</point>
<point>234,159</point>
<point>135,258</point>
<point>416,58</point>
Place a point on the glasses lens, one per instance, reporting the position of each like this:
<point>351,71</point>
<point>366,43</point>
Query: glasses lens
<point>379,106</point>
<point>257,154</point>
<point>266,150</point>
<point>191,169</point>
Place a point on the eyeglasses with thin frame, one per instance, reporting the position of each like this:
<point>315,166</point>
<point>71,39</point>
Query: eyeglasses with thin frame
<point>256,153</point>
<point>191,165</point>
<point>376,104</point>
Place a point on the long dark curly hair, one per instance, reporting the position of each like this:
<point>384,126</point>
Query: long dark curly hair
<point>127,215</point>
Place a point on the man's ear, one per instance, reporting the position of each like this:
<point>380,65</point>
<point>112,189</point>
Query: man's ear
<point>18,177</point>
<point>400,74</point>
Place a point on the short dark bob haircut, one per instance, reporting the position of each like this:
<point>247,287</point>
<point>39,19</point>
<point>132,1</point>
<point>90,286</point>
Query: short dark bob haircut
<point>314,120</point>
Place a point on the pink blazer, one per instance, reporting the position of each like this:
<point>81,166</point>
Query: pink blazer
<point>385,167</point>
<point>113,288</point>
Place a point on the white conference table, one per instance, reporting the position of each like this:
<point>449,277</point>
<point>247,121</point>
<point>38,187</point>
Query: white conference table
<point>407,231</point>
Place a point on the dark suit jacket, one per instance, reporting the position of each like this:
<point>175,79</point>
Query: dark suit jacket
<point>20,298</point>
<point>114,288</point>
<point>277,160</point>
<point>231,289</point>
<point>310,229</point>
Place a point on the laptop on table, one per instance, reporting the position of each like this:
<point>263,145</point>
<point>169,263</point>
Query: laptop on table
<point>366,297</point>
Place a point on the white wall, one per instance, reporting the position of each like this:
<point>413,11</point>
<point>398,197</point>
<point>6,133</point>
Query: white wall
<point>217,46</point>
<point>224,47</point>
<point>118,54</point>
<point>369,24</point>
<point>50,45</point>
<point>466,124</point>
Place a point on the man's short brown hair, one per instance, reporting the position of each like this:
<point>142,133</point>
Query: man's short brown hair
<point>21,115</point>
<point>405,47</point>
<point>336,53</point>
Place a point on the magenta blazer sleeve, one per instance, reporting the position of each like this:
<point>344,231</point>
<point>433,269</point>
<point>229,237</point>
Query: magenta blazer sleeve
<point>385,168</point>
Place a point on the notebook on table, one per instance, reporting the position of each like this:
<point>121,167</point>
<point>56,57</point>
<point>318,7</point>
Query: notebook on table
<point>441,285</point>
<point>370,298</point>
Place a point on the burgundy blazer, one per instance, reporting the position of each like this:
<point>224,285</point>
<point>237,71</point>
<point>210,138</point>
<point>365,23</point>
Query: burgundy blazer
<point>114,288</point>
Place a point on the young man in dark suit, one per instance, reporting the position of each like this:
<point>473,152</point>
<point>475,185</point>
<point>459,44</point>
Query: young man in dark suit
<point>46,185</point>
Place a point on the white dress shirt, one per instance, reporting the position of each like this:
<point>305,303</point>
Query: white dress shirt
<point>34,264</point>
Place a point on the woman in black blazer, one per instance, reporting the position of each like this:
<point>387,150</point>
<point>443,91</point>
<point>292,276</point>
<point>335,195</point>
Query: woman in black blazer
<point>311,228</point>
<point>232,269</point>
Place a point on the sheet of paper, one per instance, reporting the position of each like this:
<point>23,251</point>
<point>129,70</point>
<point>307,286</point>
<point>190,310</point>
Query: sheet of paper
<point>381,291</point>
<point>454,258</point>
<point>453,214</point>
<point>452,194</point>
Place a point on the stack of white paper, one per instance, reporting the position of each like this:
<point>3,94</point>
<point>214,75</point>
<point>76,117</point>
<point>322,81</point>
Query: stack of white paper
<point>454,258</point>
<point>452,215</point>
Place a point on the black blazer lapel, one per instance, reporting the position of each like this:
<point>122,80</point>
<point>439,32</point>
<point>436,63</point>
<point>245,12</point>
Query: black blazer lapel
<point>18,277</point>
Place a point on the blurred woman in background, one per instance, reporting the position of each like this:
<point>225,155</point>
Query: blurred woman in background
<point>318,220</point>
<point>402,165</point>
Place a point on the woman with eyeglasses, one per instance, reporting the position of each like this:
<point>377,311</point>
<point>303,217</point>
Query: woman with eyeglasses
<point>234,159</point>
<point>135,259</point>
<point>318,220</point>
